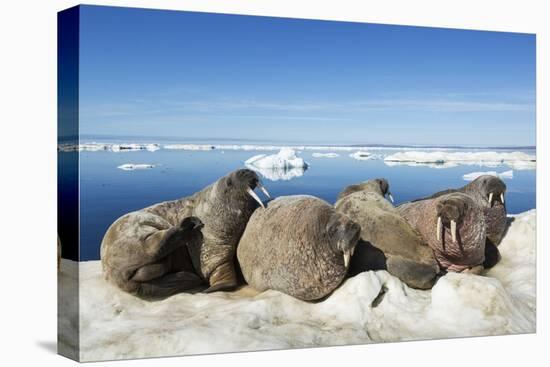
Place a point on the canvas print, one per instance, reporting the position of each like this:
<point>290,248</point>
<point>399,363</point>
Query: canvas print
<point>232,183</point>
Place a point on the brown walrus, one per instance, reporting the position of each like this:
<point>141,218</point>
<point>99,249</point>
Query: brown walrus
<point>388,242</point>
<point>488,192</point>
<point>298,245</point>
<point>223,208</point>
<point>453,225</point>
<point>145,255</point>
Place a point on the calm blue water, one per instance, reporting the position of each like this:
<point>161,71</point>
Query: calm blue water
<point>107,192</point>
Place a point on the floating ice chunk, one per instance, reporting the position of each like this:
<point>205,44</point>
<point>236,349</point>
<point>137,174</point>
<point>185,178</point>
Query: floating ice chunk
<point>325,155</point>
<point>286,158</point>
<point>284,165</point>
<point>504,175</point>
<point>502,302</point>
<point>452,159</point>
<point>132,167</point>
<point>362,155</point>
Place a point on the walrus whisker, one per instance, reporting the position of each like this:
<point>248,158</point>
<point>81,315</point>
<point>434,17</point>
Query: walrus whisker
<point>490,198</point>
<point>502,198</point>
<point>439,228</point>
<point>264,190</point>
<point>255,197</point>
<point>453,230</point>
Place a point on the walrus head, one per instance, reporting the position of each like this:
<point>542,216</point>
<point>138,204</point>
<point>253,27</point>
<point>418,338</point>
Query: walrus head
<point>247,180</point>
<point>450,211</point>
<point>343,234</point>
<point>384,188</point>
<point>490,187</point>
<point>378,185</point>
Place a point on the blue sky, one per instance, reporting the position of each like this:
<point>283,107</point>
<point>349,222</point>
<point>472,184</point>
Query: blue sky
<point>212,76</point>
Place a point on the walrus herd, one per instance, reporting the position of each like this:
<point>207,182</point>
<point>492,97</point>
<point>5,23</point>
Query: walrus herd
<point>225,235</point>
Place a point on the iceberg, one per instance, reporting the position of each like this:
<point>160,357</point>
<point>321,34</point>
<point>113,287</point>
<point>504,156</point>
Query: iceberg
<point>371,307</point>
<point>284,165</point>
<point>325,155</point>
<point>442,159</point>
<point>132,167</point>
<point>504,175</point>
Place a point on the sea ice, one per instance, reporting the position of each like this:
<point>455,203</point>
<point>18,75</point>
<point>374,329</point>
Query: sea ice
<point>324,155</point>
<point>362,155</point>
<point>132,167</point>
<point>504,175</point>
<point>373,306</point>
<point>516,160</point>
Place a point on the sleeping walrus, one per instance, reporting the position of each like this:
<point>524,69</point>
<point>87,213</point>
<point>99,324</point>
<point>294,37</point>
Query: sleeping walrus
<point>220,211</point>
<point>298,245</point>
<point>388,242</point>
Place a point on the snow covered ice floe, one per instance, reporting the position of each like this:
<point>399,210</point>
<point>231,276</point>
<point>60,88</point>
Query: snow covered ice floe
<point>362,155</point>
<point>324,155</point>
<point>132,167</point>
<point>504,175</point>
<point>373,306</point>
<point>284,165</point>
<point>442,159</point>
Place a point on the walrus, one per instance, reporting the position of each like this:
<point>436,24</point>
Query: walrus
<point>388,242</point>
<point>298,245</point>
<point>145,255</point>
<point>223,208</point>
<point>488,192</point>
<point>453,225</point>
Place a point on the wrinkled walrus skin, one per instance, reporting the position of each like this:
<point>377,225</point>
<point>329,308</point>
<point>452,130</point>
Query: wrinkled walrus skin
<point>464,253</point>
<point>388,242</point>
<point>223,208</point>
<point>146,255</point>
<point>481,190</point>
<point>298,245</point>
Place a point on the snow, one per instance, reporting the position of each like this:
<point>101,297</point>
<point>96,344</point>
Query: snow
<point>325,155</point>
<point>503,175</point>
<point>442,159</point>
<point>132,167</point>
<point>370,307</point>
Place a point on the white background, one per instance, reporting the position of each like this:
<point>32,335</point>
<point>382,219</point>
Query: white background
<point>28,179</point>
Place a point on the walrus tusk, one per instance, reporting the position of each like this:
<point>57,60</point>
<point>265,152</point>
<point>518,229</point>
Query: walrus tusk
<point>261,187</point>
<point>490,198</point>
<point>347,256</point>
<point>502,198</point>
<point>439,228</point>
<point>391,197</point>
<point>453,230</point>
<point>253,194</point>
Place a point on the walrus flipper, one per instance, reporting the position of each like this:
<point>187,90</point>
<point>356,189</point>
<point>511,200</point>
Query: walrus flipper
<point>162,243</point>
<point>170,284</point>
<point>223,278</point>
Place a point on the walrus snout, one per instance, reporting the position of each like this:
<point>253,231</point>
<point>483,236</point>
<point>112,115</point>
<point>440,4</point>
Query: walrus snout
<point>191,223</point>
<point>493,188</point>
<point>345,234</point>
<point>450,211</point>
<point>385,188</point>
<point>249,180</point>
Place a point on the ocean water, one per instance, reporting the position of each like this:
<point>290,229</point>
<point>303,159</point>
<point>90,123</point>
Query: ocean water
<point>107,192</point>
